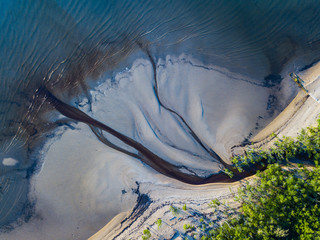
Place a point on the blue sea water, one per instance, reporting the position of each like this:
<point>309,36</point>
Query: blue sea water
<point>61,43</point>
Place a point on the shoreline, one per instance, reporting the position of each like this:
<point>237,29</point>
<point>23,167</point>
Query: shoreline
<point>103,190</point>
<point>131,224</point>
<point>292,119</point>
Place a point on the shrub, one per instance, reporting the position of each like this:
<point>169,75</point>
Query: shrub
<point>280,204</point>
<point>146,234</point>
<point>174,210</point>
<point>184,207</point>
<point>306,146</point>
<point>159,223</point>
<point>187,227</point>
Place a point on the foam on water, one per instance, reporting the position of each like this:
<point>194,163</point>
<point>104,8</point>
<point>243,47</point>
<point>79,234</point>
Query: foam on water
<point>9,161</point>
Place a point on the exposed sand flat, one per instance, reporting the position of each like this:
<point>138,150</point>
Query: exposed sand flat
<point>83,183</point>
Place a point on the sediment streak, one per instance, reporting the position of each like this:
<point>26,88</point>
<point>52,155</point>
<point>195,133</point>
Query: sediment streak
<point>144,154</point>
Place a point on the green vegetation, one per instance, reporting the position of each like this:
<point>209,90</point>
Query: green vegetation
<point>184,207</point>
<point>186,227</point>
<point>159,223</point>
<point>174,210</point>
<point>279,204</point>
<point>306,147</point>
<point>214,203</point>
<point>146,234</point>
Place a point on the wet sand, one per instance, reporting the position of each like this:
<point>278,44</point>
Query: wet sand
<point>303,111</point>
<point>109,149</point>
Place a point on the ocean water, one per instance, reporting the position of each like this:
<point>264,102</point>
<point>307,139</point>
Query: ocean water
<point>72,47</point>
